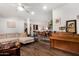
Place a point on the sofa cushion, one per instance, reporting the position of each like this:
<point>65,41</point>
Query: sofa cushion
<point>2,36</point>
<point>11,35</point>
<point>7,44</point>
<point>23,35</point>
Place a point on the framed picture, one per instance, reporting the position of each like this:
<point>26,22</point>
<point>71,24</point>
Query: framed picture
<point>62,28</point>
<point>71,26</point>
<point>11,24</point>
<point>58,20</point>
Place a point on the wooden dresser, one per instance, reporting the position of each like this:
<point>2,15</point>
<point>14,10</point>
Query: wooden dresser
<point>65,41</point>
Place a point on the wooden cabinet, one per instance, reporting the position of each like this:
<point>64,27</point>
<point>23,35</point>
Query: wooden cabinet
<point>65,41</point>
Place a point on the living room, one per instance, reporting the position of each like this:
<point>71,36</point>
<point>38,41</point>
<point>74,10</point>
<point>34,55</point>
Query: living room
<point>39,29</point>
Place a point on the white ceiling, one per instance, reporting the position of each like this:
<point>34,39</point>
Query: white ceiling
<point>10,10</point>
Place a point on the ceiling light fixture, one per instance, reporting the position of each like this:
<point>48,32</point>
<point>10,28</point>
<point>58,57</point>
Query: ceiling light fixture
<point>32,13</point>
<point>20,8</point>
<point>19,4</point>
<point>44,7</point>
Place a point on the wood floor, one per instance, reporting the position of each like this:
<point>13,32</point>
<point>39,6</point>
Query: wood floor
<point>41,49</point>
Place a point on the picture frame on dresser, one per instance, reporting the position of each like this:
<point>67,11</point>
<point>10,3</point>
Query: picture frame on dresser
<point>71,26</point>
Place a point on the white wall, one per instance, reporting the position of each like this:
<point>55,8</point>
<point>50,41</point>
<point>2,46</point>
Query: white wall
<point>66,12</point>
<point>5,29</point>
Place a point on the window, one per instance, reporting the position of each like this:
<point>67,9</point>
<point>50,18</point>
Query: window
<point>35,27</point>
